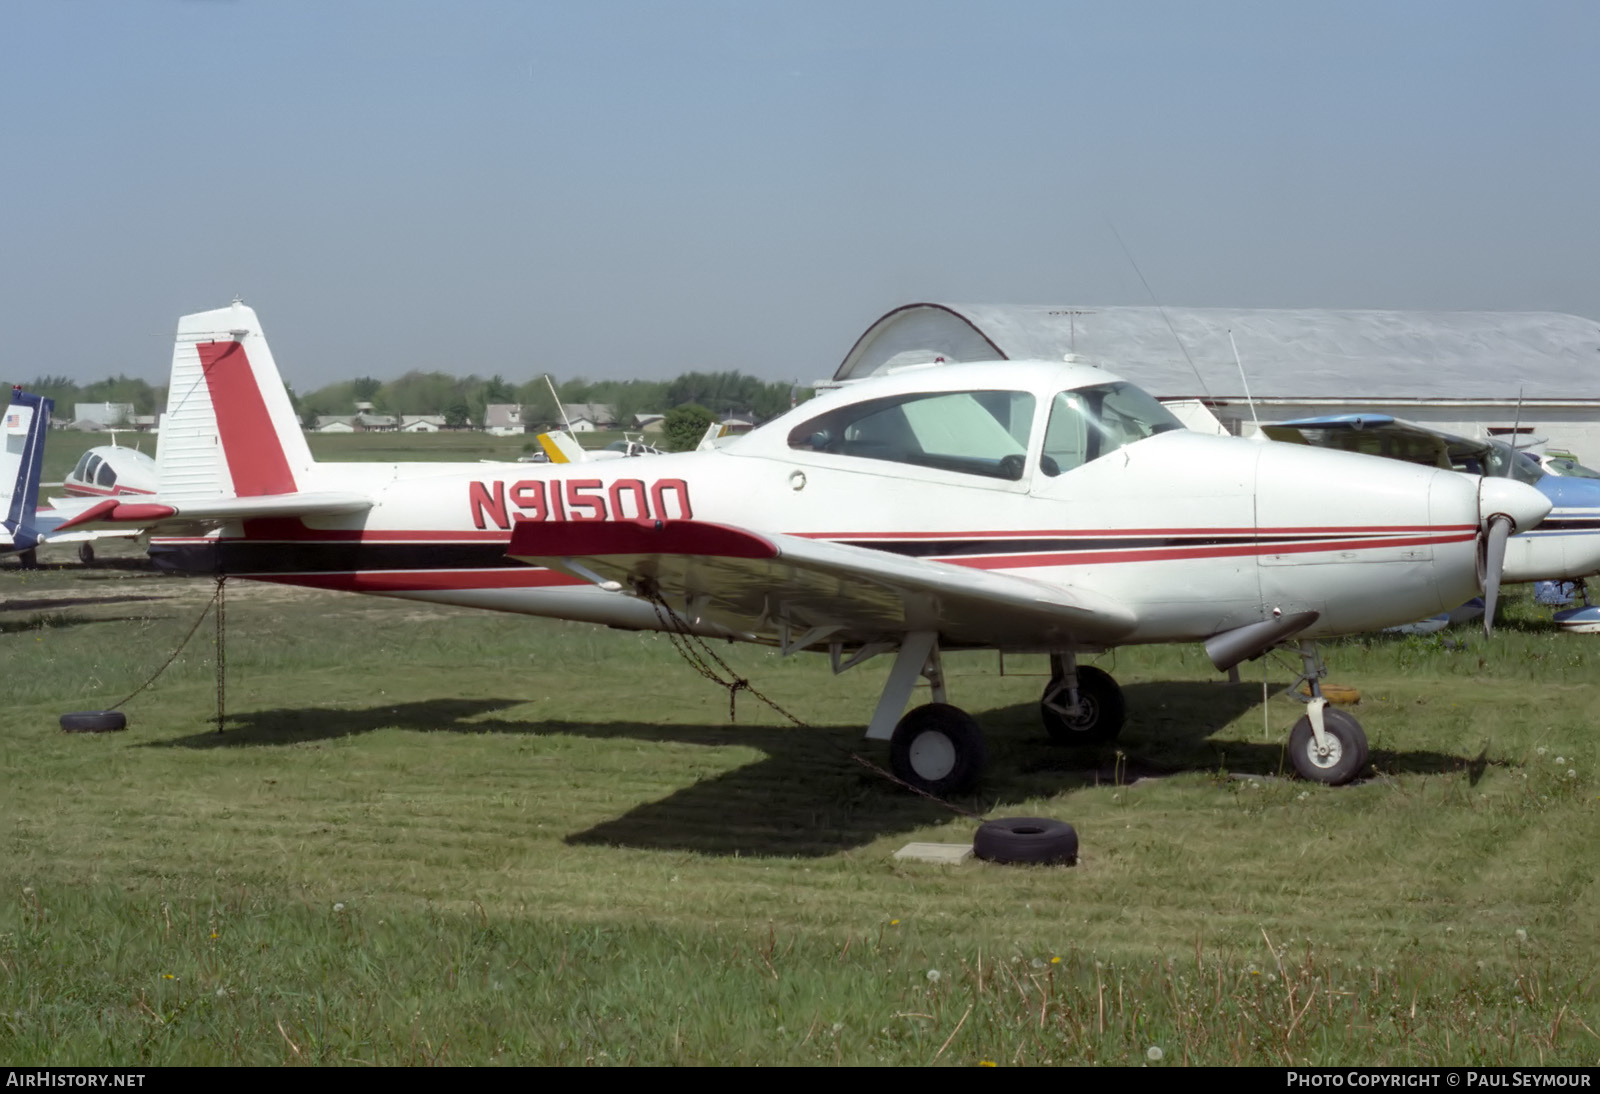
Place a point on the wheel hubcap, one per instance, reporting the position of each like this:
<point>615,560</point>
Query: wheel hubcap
<point>1088,714</point>
<point>933,755</point>
<point>1324,757</point>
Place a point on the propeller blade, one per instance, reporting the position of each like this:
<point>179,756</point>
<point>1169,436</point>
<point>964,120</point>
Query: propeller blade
<point>1494,555</point>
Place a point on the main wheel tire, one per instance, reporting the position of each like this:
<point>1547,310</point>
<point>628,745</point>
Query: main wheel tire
<point>1102,709</point>
<point>1346,755</point>
<point>937,748</point>
<point>86,553</point>
<point>1034,840</point>
<point>93,721</point>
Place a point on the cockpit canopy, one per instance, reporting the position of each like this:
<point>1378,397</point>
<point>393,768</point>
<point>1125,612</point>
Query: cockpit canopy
<point>987,432</point>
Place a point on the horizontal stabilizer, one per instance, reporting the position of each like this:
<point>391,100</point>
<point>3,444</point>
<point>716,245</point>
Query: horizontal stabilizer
<point>151,511</point>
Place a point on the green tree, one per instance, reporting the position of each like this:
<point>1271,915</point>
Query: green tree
<point>685,425</point>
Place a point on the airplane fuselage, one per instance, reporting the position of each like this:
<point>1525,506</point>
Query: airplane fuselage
<point>1195,534</point>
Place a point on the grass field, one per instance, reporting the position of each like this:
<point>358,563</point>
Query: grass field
<point>438,836</point>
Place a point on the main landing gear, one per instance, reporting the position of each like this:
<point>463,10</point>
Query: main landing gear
<point>1081,706</point>
<point>1326,745</point>
<point>939,749</point>
<point>935,748</point>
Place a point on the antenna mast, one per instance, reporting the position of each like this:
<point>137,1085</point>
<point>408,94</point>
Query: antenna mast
<point>1129,255</point>
<point>1244,380</point>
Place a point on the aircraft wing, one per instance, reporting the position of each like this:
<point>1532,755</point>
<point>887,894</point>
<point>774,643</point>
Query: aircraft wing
<point>1382,435</point>
<point>762,584</point>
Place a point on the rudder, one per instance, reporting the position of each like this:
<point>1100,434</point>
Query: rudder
<point>229,430</point>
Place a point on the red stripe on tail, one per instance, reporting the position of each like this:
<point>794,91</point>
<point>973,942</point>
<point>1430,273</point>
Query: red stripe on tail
<point>255,457</point>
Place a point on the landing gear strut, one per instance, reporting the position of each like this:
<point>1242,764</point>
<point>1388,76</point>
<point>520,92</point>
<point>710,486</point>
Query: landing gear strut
<point>1326,745</point>
<point>936,748</point>
<point>1080,706</point>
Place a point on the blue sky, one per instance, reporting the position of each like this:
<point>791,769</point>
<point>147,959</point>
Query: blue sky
<point>618,189</point>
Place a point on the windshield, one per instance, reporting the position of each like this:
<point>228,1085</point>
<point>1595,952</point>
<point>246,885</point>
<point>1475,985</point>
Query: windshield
<point>970,432</point>
<point>1089,422</point>
<point>1524,468</point>
<point>1569,467</point>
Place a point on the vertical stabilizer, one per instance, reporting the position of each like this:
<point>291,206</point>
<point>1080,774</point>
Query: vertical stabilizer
<point>229,430</point>
<point>26,419</point>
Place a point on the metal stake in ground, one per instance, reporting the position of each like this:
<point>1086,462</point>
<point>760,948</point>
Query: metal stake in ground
<point>112,718</point>
<point>222,651</point>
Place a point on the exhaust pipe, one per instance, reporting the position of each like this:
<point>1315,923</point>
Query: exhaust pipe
<point>1253,639</point>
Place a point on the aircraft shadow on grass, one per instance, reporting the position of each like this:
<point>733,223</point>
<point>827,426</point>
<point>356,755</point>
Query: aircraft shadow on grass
<point>44,604</point>
<point>57,622</point>
<point>810,796</point>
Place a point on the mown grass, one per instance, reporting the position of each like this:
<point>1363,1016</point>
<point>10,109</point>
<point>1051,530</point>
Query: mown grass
<point>431,835</point>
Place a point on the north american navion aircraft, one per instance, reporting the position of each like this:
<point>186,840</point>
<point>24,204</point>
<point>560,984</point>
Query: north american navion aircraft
<point>1021,506</point>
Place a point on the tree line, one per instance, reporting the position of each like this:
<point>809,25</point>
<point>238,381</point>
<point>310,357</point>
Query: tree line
<point>462,401</point>
<point>144,398</point>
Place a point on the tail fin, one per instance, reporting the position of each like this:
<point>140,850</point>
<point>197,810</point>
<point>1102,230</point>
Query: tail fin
<point>27,418</point>
<point>561,448</point>
<point>708,439</point>
<point>229,431</point>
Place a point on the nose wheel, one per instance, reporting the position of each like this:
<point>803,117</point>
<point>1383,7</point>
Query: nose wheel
<point>1326,745</point>
<point>1338,757</point>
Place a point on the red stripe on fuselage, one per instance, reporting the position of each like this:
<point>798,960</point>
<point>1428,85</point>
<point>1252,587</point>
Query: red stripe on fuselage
<point>1063,533</point>
<point>1160,554</point>
<point>255,456</point>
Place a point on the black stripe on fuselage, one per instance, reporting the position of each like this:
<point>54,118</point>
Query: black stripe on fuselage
<point>957,548</point>
<point>309,557</point>
<point>1568,524</point>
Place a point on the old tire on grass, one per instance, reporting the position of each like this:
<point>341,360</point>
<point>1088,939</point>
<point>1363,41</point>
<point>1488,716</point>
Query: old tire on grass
<point>937,748</point>
<point>1037,841</point>
<point>93,721</point>
<point>1346,756</point>
<point>1100,717</point>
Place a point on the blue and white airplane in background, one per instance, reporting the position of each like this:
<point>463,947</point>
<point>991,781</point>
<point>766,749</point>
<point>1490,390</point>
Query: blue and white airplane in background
<point>1564,547</point>
<point>27,418</point>
<point>25,526</point>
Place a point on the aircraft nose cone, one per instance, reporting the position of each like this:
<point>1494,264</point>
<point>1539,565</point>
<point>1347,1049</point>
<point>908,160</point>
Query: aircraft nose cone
<point>1522,503</point>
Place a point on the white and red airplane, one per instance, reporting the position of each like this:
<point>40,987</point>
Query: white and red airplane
<point>1021,506</point>
<point>110,471</point>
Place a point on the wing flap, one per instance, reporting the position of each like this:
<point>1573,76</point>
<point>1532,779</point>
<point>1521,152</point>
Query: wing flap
<point>750,582</point>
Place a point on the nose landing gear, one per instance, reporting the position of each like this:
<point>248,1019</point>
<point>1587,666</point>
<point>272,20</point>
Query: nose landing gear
<point>1326,745</point>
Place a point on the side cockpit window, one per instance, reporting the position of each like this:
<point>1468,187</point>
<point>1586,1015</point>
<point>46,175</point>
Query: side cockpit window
<point>107,475</point>
<point>968,432</point>
<point>81,472</point>
<point>1090,422</point>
